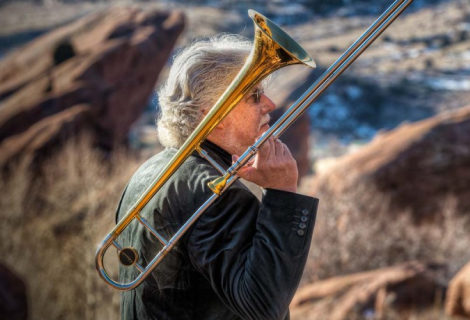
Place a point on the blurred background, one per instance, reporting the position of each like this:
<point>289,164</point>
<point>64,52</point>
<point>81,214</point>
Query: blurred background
<point>386,148</point>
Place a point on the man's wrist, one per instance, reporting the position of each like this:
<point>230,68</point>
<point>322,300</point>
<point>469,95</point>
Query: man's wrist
<point>284,188</point>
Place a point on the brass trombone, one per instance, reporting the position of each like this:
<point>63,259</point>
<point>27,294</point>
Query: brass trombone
<point>272,50</point>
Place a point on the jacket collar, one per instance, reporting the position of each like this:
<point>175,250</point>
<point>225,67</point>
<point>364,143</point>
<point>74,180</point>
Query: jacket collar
<point>214,149</point>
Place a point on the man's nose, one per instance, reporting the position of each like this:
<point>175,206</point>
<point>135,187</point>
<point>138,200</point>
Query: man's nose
<point>268,104</point>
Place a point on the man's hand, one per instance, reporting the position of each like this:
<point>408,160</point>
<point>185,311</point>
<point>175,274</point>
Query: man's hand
<point>273,167</point>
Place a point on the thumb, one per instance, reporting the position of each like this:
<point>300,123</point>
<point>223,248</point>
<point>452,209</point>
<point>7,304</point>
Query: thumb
<point>235,158</point>
<point>244,172</point>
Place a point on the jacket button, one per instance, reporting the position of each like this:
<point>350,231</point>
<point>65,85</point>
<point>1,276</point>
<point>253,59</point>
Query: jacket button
<point>300,232</point>
<point>302,225</point>
<point>303,219</point>
<point>305,212</point>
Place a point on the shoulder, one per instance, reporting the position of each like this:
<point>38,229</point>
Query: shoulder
<point>186,186</point>
<point>193,169</point>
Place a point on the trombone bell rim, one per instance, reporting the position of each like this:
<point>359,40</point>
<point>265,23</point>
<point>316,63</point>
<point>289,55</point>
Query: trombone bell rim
<point>271,30</point>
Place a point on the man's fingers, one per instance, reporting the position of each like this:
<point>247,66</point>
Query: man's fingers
<point>286,151</point>
<point>234,158</point>
<point>245,173</point>
<point>271,145</point>
<point>273,167</point>
<point>248,164</point>
<point>265,150</point>
<point>279,151</point>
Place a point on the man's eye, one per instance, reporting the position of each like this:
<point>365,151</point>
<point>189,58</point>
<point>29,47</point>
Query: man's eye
<point>257,95</point>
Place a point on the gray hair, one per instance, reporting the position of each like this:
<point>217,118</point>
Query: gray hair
<point>199,75</point>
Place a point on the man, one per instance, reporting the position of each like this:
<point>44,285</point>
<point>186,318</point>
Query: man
<point>243,259</point>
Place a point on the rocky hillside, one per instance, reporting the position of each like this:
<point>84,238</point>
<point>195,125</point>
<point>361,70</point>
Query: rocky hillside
<point>95,74</point>
<point>418,165</point>
<point>418,67</point>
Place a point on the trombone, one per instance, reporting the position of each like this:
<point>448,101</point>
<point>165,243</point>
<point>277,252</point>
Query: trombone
<point>272,50</point>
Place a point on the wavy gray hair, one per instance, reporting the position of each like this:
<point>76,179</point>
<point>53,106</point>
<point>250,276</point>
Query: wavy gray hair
<point>198,77</point>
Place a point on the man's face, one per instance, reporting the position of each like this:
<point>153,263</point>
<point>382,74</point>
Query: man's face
<point>247,121</point>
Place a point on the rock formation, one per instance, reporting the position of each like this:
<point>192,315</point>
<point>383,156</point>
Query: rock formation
<point>458,294</point>
<point>13,302</point>
<point>370,293</point>
<point>289,87</point>
<point>418,165</point>
<point>97,73</point>
<point>296,138</point>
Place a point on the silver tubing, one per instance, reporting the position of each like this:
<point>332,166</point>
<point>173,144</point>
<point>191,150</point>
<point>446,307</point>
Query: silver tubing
<point>206,156</point>
<point>110,281</point>
<point>152,230</point>
<point>138,266</point>
<point>157,259</point>
<point>117,245</point>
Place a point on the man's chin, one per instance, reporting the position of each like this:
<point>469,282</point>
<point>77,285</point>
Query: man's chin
<point>262,131</point>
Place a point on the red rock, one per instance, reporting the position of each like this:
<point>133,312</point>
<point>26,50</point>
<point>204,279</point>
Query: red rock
<point>13,299</point>
<point>297,139</point>
<point>418,165</point>
<point>400,287</point>
<point>45,135</point>
<point>109,61</point>
<point>292,83</point>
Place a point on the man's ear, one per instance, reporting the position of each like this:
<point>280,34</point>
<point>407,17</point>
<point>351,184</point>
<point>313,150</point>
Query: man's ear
<point>221,125</point>
<point>218,133</point>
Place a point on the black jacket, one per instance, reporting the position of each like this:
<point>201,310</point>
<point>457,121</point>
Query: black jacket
<point>241,260</point>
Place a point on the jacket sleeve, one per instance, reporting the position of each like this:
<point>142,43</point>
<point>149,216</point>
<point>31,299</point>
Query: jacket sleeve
<point>254,253</point>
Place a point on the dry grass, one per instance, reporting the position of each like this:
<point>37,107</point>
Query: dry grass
<point>348,241</point>
<point>52,223</point>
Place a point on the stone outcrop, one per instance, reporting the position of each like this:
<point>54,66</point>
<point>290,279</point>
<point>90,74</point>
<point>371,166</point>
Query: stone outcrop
<point>13,300</point>
<point>101,68</point>
<point>296,137</point>
<point>371,294</point>
<point>42,137</point>
<point>458,294</point>
<point>419,165</point>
